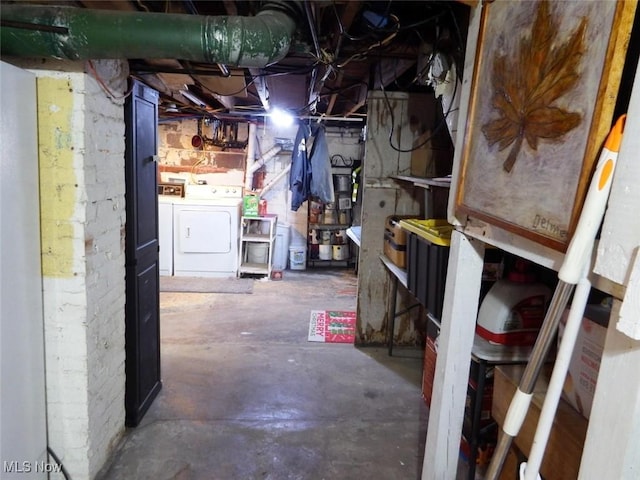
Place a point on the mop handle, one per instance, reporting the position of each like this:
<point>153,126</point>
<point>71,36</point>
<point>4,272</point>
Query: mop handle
<point>519,405</point>
<point>581,245</point>
<point>576,263</point>
<point>530,468</point>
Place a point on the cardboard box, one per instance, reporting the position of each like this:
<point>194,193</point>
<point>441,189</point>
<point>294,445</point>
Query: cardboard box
<point>395,241</point>
<point>582,376</point>
<point>511,467</point>
<point>564,448</point>
<point>250,205</point>
<point>394,252</point>
<point>430,357</point>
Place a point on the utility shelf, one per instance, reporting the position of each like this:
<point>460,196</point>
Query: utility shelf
<point>257,240</point>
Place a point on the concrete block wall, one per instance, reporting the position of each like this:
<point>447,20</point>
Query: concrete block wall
<point>81,143</point>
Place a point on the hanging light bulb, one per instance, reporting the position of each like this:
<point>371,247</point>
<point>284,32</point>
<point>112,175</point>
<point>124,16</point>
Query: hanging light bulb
<point>281,118</point>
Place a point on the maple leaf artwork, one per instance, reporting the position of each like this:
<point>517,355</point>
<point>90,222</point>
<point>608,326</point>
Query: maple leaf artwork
<point>526,86</point>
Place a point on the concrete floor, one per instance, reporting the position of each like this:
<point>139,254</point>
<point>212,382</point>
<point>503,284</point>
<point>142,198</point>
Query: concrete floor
<point>246,396</point>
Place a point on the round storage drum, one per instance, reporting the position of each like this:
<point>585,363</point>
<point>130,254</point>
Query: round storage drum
<point>340,252</point>
<point>325,252</point>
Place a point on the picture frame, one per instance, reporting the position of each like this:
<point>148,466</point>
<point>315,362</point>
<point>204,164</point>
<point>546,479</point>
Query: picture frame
<point>541,104</point>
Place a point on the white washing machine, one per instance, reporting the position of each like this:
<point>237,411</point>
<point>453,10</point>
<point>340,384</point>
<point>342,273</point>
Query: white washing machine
<point>165,234</point>
<point>206,228</point>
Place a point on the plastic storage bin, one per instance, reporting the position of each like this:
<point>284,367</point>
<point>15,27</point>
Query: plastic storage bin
<point>427,259</point>
<point>281,249</point>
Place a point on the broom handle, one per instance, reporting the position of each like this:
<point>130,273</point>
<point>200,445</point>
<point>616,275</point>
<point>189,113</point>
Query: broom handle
<point>575,270</point>
<point>522,398</point>
<point>552,397</point>
<point>573,266</point>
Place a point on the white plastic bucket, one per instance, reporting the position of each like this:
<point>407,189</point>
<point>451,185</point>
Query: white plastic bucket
<point>281,247</point>
<point>298,257</point>
<point>258,252</point>
<point>324,252</point>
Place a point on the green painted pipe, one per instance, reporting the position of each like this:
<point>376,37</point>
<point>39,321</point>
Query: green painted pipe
<point>81,34</point>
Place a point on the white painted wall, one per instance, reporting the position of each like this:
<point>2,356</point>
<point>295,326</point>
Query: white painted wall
<point>619,245</point>
<point>22,409</point>
<point>279,197</point>
<point>81,141</point>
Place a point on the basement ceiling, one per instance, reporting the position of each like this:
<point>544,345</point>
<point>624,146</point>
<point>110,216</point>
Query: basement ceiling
<point>340,51</point>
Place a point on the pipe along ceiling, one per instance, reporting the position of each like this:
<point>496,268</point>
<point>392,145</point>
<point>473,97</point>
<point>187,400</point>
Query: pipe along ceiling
<point>82,34</point>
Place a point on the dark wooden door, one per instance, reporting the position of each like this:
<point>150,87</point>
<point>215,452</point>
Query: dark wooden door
<point>142,338</point>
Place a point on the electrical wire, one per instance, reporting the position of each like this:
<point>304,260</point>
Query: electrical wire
<point>379,44</point>
<point>232,94</point>
<point>254,79</point>
<point>331,59</point>
<point>340,91</point>
<point>204,160</point>
<point>416,24</point>
<point>392,118</point>
<point>244,88</point>
<point>59,463</point>
<point>104,86</point>
<point>143,6</point>
<point>344,33</point>
<point>362,54</point>
<point>344,162</point>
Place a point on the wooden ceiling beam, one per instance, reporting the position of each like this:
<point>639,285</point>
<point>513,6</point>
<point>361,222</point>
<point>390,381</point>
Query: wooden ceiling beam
<point>347,17</point>
<point>334,96</point>
<point>230,7</point>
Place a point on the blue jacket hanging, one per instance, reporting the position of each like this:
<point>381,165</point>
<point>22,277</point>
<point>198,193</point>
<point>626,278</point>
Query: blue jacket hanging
<point>321,178</point>
<point>310,167</point>
<point>300,174</point>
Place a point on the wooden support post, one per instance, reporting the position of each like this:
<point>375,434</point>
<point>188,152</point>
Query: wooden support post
<point>613,437</point>
<point>464,276</point>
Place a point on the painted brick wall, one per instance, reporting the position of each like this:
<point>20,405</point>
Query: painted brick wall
<point>175,150</point>
<point>81,141</point>
<point>104,131</point>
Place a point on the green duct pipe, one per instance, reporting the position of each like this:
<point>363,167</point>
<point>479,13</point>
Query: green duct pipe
<point>81,34</point>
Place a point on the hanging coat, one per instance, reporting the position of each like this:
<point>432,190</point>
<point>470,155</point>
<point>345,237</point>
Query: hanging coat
<point>321,178</point>
<point>300,174</point>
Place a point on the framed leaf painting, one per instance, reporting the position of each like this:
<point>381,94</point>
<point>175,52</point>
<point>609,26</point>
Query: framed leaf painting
<point>543,92</point>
